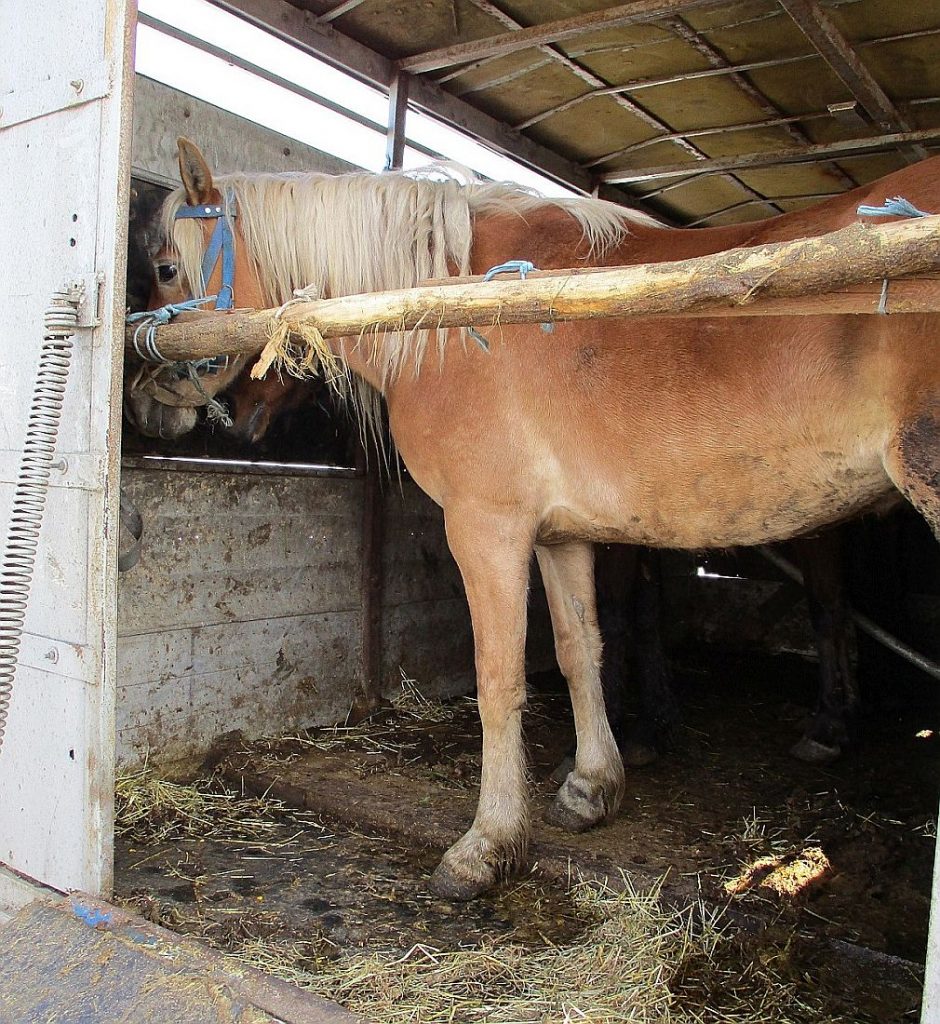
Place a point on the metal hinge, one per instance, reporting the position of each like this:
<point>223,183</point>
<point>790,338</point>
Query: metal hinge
<point>90,288</point>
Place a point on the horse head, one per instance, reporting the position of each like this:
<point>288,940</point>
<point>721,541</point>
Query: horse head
<point>161,400</point>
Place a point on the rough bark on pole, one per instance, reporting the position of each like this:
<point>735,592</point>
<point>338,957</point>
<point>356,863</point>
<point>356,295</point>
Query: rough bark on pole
<point>726,282</point>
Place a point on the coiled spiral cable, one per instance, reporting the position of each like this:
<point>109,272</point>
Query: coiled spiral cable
<point>29,496</point>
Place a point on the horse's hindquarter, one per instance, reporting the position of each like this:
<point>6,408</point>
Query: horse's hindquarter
<point>675,433</point>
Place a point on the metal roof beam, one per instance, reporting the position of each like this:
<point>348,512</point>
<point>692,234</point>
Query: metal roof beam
<point>748,161</point>
<point>838,53</point>
<point>339,10</point>
<point>718,60</point>
<point>638,111</point>
<point>302,28</point>
<point>549,32</point>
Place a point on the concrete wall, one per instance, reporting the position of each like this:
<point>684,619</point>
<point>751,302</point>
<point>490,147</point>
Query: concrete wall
<point>244,610</point>
<point>230,143</point>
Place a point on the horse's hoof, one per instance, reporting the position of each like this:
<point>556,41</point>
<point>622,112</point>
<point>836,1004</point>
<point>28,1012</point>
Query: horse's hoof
<point>577,806</point>
<point>450,884</point>
<point>638,755</point>
<point>811,751</point>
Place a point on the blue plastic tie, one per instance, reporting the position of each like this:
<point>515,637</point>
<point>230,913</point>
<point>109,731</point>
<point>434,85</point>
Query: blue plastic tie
<point>897,206</point>
<point>520,267</point>
<point>510,266</point>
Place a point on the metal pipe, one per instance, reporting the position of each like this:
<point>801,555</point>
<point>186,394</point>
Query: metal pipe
<point>864,623</point>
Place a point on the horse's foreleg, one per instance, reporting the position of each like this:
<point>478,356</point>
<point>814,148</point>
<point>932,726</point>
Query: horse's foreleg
<point>593,791</point>
<point>493,556</point>
<point>830,730</point>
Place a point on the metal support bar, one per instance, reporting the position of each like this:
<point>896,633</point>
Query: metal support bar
<point>397,114</point>
<point>838,53</point>
<point>811,154</point>
<point>550,32</point>
<point>339,10</point>
<point>371,587</point>
<point>372,582</point>
<point>865,624</point>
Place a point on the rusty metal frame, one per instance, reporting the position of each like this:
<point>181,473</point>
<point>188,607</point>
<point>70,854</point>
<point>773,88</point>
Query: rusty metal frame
<point>634,13</point>
<point>749,161</point>
<point>837,52</point>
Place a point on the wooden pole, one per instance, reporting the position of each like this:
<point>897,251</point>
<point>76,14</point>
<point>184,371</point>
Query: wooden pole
<point>724,283</point>
<point>372,527</point>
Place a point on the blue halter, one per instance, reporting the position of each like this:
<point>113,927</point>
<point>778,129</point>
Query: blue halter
<point>222,243</point>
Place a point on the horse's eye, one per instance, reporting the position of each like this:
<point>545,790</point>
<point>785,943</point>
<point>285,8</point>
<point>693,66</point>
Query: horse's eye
<point>166,272</point>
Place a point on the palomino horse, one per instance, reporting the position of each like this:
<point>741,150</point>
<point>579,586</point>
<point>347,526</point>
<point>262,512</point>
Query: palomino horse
<point>669,433</point>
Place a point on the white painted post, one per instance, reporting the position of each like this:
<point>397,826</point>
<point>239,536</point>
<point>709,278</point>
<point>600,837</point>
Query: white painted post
<point>930,1012</point>
<point>65,93</point>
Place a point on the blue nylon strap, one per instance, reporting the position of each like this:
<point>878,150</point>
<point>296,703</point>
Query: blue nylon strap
<point>221,243</point>
<point>199,212</point>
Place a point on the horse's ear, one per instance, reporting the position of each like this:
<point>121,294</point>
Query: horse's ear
<point>195,173</point>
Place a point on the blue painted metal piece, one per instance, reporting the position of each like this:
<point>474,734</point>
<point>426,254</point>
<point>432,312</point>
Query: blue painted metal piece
<point>90,915</point>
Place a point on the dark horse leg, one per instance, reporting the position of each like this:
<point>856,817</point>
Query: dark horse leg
<point>629,585</point>
<point>832,727</point>
<point>833,724</point>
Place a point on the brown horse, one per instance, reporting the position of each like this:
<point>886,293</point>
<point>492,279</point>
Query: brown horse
<point>669,433</point>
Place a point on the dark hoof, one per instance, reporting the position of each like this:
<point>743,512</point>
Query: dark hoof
<point>577,806</point>
<point>450,885</point>
<point>811,751</point>
<point>565,818</point>
<point>638,755</point>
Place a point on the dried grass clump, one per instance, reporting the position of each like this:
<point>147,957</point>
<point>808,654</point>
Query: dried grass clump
<point>410,702</point>
<point>636,962</point>
<point>149,809</point>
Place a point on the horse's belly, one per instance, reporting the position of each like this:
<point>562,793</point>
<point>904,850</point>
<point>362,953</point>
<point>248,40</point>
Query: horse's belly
<point>705,510</point>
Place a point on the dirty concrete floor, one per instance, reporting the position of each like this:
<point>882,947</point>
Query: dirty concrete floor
<point>839,856</point>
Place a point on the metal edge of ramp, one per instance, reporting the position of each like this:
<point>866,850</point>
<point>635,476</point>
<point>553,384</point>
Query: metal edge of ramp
<point>80,960</point>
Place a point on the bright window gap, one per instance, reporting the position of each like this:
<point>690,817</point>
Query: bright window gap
<point>185,67</point>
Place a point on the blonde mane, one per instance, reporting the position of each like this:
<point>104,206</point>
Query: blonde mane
<point>333,235</point>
